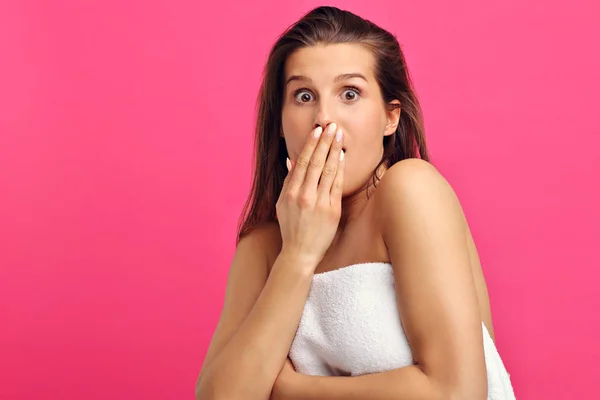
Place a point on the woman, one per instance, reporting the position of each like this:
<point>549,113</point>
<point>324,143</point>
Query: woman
<point>354,259</point>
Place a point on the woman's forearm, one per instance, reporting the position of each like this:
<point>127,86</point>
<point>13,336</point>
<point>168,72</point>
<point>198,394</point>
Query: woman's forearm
<point>249,364</point>
<point>407,383</point>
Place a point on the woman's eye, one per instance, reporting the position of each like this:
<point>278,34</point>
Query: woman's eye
<point>350,94</point>
<point>303,97</point>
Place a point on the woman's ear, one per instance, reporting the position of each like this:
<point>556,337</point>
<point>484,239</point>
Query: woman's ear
<point>393,117</point>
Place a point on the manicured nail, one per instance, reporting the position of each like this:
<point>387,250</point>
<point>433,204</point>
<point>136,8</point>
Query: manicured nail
<point>342,155</point>
<point>331,128</point>
<point>318,132</point>
<point>288,163</point>
<point>339,135</point>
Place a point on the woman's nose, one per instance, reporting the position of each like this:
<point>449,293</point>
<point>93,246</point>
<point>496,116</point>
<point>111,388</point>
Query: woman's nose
<point>323,115</point>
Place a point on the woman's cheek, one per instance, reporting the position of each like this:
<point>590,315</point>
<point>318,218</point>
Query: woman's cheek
<point>294,149</point>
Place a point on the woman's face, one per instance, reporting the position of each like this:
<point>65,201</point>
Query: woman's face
<point>336,83</point>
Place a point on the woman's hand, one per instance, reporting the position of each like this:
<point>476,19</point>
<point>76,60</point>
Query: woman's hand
<point>283,388</point>
<point>310,204</point>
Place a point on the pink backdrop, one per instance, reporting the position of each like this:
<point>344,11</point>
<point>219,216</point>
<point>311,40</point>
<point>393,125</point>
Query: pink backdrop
<point>125,146</point>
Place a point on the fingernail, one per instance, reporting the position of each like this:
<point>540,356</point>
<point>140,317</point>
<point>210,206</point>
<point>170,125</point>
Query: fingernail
<point>331,128</point>
<point>288,163</point>
<point>339,135</point>
<point>318,131</point>
<point>342,155</point>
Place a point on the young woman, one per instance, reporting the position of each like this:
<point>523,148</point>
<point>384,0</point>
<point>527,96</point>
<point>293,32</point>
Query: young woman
<point>355,274</point>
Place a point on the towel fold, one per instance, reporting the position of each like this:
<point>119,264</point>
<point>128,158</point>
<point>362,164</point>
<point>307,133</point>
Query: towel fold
<point>351,326</point>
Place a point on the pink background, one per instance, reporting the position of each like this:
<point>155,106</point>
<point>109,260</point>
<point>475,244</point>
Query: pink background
<point>125,148</point>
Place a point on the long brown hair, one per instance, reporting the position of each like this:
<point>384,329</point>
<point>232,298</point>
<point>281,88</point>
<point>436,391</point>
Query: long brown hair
<point>327,25</point>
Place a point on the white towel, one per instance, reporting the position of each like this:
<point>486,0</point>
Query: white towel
<point>351,326</point>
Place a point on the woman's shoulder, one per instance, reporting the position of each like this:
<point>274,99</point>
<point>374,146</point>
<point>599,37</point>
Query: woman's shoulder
<point>410,177</point>
<point>412,185</point>
<point>412,173</point>
<point>265,239</point>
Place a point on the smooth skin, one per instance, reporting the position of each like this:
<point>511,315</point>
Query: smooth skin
<point>413,220</point>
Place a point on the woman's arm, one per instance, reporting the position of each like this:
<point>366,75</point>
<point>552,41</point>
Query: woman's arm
<point>257,324</point>
<point>424,229</point>
<point>399,384</point>
<point>250,354</point>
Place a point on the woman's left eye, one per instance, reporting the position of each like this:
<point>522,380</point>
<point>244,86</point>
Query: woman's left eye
<point>350,94</point>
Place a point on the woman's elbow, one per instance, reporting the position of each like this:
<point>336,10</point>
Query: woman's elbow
<point>208,389</point>
<point>468,391</point>
<point>204,389</point>
<point>459,388</point>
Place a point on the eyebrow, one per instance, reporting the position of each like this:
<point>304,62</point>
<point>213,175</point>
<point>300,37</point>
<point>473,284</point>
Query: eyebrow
<point>338,78</point>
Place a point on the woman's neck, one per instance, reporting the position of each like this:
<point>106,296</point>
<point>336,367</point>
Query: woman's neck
<point>354,204</point>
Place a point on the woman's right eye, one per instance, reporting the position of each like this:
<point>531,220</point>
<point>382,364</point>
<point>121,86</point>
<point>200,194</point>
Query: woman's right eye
<point>302,96</point>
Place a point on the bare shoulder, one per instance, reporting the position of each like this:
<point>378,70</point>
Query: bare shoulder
<point>411,175</point>
<point>265,239</point>
<point>414,184</point>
